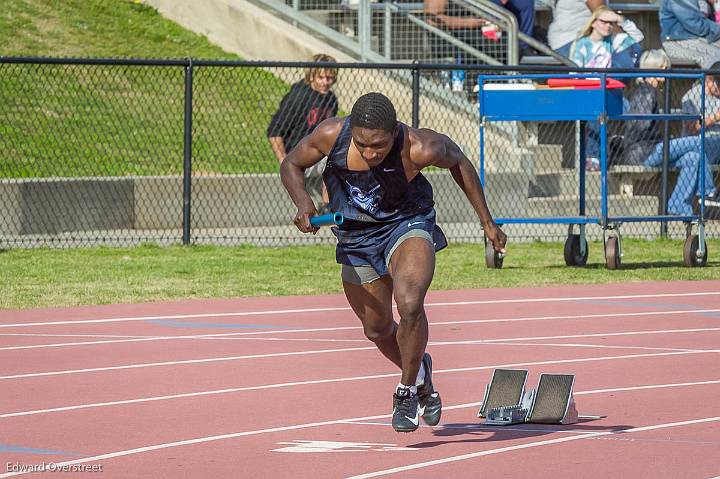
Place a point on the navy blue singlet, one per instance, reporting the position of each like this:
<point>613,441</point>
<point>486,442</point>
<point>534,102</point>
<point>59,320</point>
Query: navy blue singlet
<point>379,205</point>
<point>381,194</point>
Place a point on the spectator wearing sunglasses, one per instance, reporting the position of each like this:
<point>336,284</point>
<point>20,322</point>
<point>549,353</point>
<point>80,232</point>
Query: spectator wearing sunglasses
<point>605,36</point>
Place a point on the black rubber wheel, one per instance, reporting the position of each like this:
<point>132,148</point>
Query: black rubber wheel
<point>572,251</point>
<point>493,259</point>
<point>690,257</point>
<point>612,252</point>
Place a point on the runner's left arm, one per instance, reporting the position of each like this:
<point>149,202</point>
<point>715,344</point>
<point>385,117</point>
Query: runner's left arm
<point>438,150</point>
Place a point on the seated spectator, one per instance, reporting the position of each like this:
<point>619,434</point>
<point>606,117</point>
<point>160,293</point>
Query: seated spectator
<point>691,104</point>
<point>605,35</point>
<point>641,136</point>
<point>466,27</point>
<point>524,11</point>
<point>644,145</point>
<point>308,102</point>
<point>687,31</point>
<point>569,17</point>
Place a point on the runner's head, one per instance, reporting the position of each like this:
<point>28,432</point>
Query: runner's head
<point>374,126</point>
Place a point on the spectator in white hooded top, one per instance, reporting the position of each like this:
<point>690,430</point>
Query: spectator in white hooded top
<point>569,17</point>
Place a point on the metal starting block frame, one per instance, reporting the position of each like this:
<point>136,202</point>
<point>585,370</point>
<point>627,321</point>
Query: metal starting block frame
<point>551,403</point>
<point>506,415</point>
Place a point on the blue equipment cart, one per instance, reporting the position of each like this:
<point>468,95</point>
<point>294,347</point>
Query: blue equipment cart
<point>513,98</point>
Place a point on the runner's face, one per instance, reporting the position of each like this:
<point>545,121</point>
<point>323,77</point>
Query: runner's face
<point>373,145</point>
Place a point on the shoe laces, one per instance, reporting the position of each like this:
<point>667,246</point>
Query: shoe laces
<point>404,403</point>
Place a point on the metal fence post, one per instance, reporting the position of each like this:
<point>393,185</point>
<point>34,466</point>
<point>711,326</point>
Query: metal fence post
<point>415,96</point>
<point>387,32</point>
<point>187,152</point>
<point>364,28</point>
<point>666,158</point>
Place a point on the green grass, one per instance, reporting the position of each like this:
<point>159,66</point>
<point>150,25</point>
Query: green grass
<point>75,120</point>
<point>51,277</point>
<point>96,28</point>
<point>117,120</point>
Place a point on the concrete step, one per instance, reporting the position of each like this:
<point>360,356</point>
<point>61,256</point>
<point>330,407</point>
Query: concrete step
<point>506,193</point>
<point>618,205</point>
<point>546,157</point>
<point>567,182</point>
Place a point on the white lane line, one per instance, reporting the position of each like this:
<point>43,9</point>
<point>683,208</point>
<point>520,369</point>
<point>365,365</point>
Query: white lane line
<point>589,346</point>
<point>346,308</point>
<point>186,442</point>
<point>333,380</point>
<point>341,350</point>
<point>347,328</point>
<point>88,343</point>
<point>640,388</point>
<point>186,361</point>
<point>289,340</point>
<point>367,348</point>
<point>55,335</point>
<point>500,450</point>
<point>596,335</point>
<point>141,339</point>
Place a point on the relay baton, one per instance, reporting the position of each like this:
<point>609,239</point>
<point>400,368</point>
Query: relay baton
<point>327,220</point>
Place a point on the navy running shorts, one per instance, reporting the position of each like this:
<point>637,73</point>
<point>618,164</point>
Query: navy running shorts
<point>365,253</point>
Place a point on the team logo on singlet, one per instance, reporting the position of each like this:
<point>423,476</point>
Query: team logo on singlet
<point>365,200</point>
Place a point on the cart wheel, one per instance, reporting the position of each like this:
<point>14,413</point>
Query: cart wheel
<point>690,257</point>
<point>572,251</point>
<point>493,259</point>
<point>612,253</point>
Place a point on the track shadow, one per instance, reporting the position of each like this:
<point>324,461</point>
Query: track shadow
<point>463,433</point>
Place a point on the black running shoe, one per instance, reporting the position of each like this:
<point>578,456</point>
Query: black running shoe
<point>406,415</point>
<point>428,398</point>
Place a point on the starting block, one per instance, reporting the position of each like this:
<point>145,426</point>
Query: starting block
<point>506,388</point>
<point>551,403</point>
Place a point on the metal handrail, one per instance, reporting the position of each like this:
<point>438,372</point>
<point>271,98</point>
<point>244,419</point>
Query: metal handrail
<point>339,39</point>
<point>361,46</point>
<point>451,39</point>
<point>542,48</point>
<point>486,8</point>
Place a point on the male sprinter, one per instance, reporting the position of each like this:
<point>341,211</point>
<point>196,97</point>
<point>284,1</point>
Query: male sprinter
<point>387,243</point>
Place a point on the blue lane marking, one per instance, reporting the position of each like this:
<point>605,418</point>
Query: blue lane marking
<point>32,450</point>
<point>190,324</point>
<point>670,306</point>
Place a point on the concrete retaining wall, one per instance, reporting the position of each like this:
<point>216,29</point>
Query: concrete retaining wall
<point>52,206</point>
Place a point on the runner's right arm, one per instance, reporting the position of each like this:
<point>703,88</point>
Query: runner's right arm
<point>308,152</point>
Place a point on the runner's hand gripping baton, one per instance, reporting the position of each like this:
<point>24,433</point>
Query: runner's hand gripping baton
<point>327,220</point>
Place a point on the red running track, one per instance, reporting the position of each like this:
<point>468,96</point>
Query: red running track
<point>289,387</point>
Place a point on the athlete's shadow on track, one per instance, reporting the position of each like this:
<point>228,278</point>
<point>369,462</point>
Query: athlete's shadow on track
<point>477,432</point>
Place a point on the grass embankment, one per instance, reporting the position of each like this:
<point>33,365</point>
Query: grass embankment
<point>75,120</point>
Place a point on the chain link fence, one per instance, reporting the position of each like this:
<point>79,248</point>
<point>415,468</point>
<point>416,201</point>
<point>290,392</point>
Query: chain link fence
<point>124,152</point>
